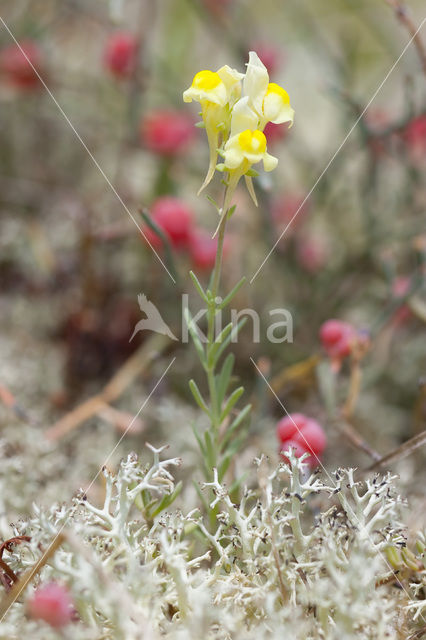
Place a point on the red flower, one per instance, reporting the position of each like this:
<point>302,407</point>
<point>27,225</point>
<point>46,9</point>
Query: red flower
<point>167,132</point>
<point>52,603</point>
<point>337,338</point>
<point>415,135</point>
<point>303,434</point>
<point>174,218</point>
<point>202,249</point>
<point>275,132</point>
<point>121,54</point>
<point>289,212</point>
<point>312,252</point>
<point>269,55</point>
<point>15,67</point>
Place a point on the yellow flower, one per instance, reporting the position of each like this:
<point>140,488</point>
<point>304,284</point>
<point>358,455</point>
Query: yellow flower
<point>207,86</point>
<point>270,101</point>
<point>217,92</point>
<point>245,149</point>
<point>236,123</point>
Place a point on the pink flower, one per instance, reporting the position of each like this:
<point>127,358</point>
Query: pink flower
<point>289,210</point>
<point>337,338</point>
<point>174,218</point>
<point>121,54</point>
<point>202,249</point>
<point>167,133</point>
<point>52,603</point>
<point>275,132</point>
<point>15,67</point>
<point>415,135</point>
<point>303,434</point>
<point>312,252</point>
<point>269,54</point>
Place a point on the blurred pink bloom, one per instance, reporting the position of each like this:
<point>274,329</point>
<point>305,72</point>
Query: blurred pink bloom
<point>16,69</point>
<point>167,132</point>
<point>275,132</point>
<point>121,54</point>
<point>337,338</point>
<point>312,252</point>
<point>415,136</point>
<point>52,603</point>
<point>270,55</point>
<point>202,249</point>
<point>303,434</point>
<point>174,217</point>
<point>289,210</point>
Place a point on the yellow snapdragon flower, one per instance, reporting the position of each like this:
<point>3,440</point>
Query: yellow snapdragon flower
<point>236,123</point>
<point>217,92</point>
<point>246,149</point>
<point>270,101</point>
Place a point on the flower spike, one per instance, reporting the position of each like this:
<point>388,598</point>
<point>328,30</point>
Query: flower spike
<point>234,123</point>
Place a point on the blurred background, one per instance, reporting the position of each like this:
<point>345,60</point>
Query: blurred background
<point>100,141</point>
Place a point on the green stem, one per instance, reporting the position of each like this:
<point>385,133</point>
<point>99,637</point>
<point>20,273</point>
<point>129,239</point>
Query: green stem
<point>213,306</point>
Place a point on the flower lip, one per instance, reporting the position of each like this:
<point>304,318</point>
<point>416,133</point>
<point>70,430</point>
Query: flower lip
<point>206,80</point>
<point>207,88</point>
<point>252,141</point>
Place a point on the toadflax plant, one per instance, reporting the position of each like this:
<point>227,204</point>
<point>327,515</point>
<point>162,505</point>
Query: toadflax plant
<point>235,109</point>
<point>295,556</point>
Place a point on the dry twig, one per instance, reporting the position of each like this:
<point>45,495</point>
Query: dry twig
<point>133,367</point>
<point>403,15</point>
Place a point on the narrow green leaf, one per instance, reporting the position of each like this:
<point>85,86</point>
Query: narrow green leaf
<point>198,439</point>
<point>195,338</point>
<point>232,293</point>
<point>146,497</point>
<point>234,425</point>
<point>235,446</point>
<point>224,466</point>
<point>170,263</point>
<point>198,397</point>
<point>214,348</point>
<point>213,202</point>
<point>232,400</point>
<point>224,377</point>
<point>198,286</point>
<point>226,342</point>
<point>236,484</point>
<point>167,500</point>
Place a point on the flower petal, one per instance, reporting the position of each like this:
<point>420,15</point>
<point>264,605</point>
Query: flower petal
<point>276,105</point>
<point>229,76</point>
<point>269,162</point>
<point>243,117</point>
<point>207,85</point>
<point>256,81</point>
